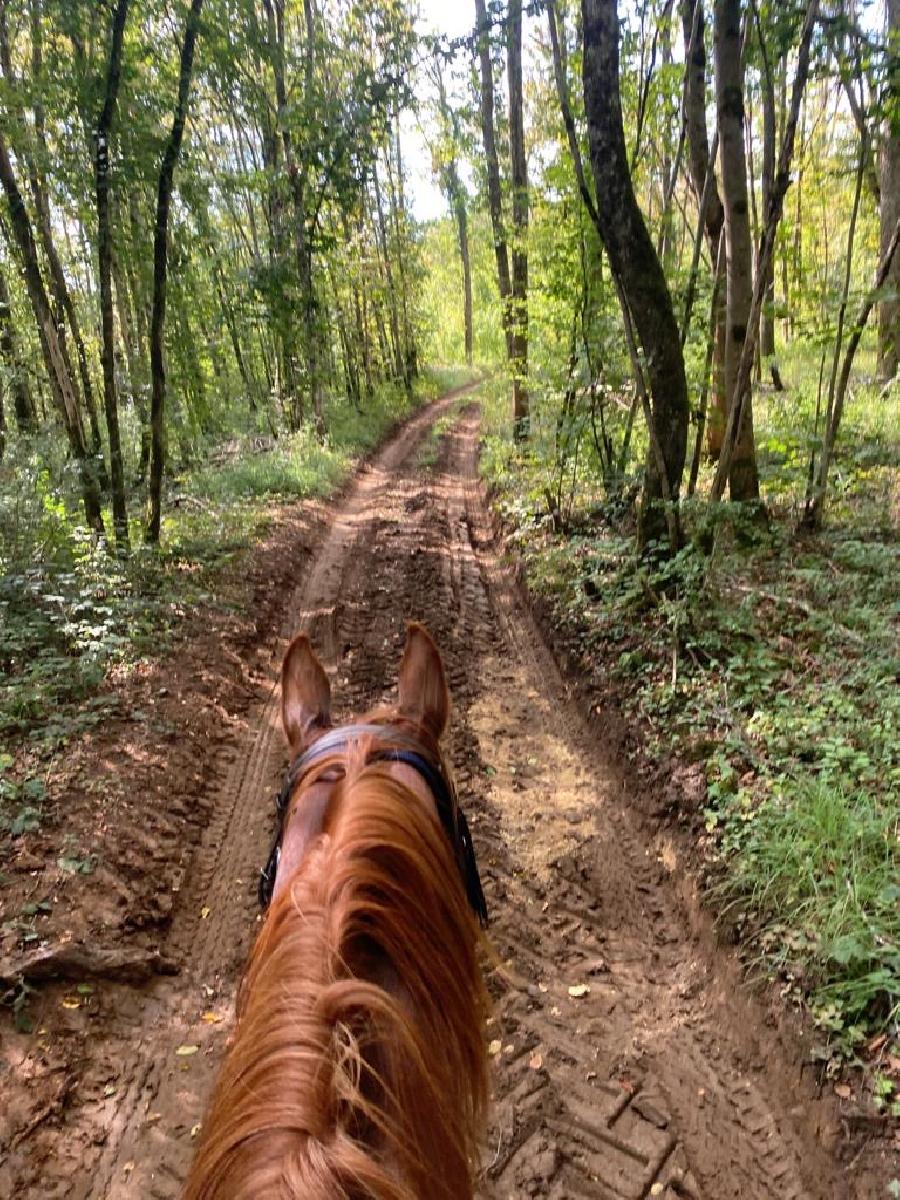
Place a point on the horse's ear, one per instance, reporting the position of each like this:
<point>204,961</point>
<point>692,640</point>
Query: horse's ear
<point>423,689</point>
<point>305,693</point>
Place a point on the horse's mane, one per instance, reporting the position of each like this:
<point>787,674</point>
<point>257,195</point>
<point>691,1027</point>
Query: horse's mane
<point>358,1069</point>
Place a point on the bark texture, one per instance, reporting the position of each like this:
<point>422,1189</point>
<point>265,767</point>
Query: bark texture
<point>519,294</point>
<point>889,309</point>
<point>492,165</point>
<point>702,171</point>
<point>65,392</point>
<point>104,255</point>
<point>743,478</point>
<point>635,263</point>
<point>160,273</point>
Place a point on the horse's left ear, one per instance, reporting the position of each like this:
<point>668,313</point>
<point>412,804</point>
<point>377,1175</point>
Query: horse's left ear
<point>305,693</point>
<point>423,688</point>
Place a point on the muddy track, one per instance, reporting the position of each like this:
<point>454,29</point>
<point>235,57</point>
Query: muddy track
<point>642,1082</point>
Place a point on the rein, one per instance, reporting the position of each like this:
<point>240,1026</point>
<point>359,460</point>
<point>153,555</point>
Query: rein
<point>391,745</point>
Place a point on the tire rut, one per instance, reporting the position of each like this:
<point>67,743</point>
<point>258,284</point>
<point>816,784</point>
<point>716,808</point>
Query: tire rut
<point>631,1085</point>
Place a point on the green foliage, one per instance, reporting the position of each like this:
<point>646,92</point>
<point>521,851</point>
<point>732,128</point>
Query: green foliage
<point>771,664</point>
<point>71,611</point>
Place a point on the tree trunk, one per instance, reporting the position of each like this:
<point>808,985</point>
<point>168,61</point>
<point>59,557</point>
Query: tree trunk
<point>743,479</point>
<point>160,274</point>
<point>519,291</point>
<point>492,165</point>
<point>23,401</point>
<point>456,196</point>
<point>635,263</point>
<point>58,283</point>
<point>767,320</point>
<point>766,252</point>
<point>889,308</point>
<point>104,256</point>
<point>462,234</point>
<point>702,170</point>
<point>61,382</point>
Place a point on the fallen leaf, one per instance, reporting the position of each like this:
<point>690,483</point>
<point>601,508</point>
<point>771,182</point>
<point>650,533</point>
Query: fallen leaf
<point>195,1129</point>
<point>578,990</point>
<point>204,912</point>
<point>211,1018</point>
<point>510,1049</point>
<point>495,1047</point>
<point>536,1062</point>
<point>110,1089</point>
<point>656,1190</point>
<point>71,1002</point>
<point>184,1051</point>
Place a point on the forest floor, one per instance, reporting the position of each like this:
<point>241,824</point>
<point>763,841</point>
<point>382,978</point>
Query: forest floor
<point>629,1059</point>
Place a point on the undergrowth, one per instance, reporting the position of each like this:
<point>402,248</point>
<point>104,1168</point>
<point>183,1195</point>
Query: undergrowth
<point>71,611</point>
<point>770,668</point>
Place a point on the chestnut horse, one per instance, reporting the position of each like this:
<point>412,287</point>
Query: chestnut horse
<point>358,1068</point>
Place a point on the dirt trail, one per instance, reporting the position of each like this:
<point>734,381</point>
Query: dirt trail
<point>650,1083</point>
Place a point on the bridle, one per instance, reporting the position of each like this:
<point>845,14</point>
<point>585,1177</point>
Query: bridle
<point>389,744</point>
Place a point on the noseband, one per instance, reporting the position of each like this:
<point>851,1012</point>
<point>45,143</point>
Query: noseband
<point>389,745</point>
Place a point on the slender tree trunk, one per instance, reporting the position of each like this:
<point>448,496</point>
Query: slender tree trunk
<point>635,264</point>
<point>743,478</point>
<point>767,320</point>
<point>456,196</point>
<point>160,274</point>
<point>766,251</point>
<point>58,283</point>
<point>23,401</point>
<point>104,256</point>
<point>814,510</point>
<point>462,234</point>
<point>492,165</point>
<point>61,382</point>
<point>702,171</point>
<point>889,308</point>
<point>393,312</point>
<point>519,282</point>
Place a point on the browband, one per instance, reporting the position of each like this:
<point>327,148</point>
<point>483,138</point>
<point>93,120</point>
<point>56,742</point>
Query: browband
<point>397,746</point>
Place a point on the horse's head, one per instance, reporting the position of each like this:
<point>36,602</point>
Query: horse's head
<point>404,737</point>
<point>358,1066</point>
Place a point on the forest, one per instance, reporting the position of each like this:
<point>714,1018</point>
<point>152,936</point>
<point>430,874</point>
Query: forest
<point>665,266</point>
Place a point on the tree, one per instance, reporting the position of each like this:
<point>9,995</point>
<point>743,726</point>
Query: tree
<point>702,171</point>
<point>636,265</point>
<point>104,256</point>
<point>57,365</point>
<point>446,165</point>
<point>519,182</point>
<point>743,477</point>
<point>160,273</point>
<point>889,308</point>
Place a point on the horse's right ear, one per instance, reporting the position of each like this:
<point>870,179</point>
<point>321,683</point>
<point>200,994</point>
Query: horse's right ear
<point>423,687</point>
<point>305,693</point>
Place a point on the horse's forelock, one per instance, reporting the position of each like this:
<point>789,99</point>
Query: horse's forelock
<point>358,1065</point>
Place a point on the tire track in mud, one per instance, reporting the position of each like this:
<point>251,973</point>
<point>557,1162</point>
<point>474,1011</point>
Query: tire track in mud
<point>162,1093</point>
<point>634,1086</point>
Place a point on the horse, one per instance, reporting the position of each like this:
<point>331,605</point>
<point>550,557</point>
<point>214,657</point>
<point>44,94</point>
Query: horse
<point>358,1067</point>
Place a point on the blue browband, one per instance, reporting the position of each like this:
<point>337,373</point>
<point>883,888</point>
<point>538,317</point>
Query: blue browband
<point>395,746</point>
